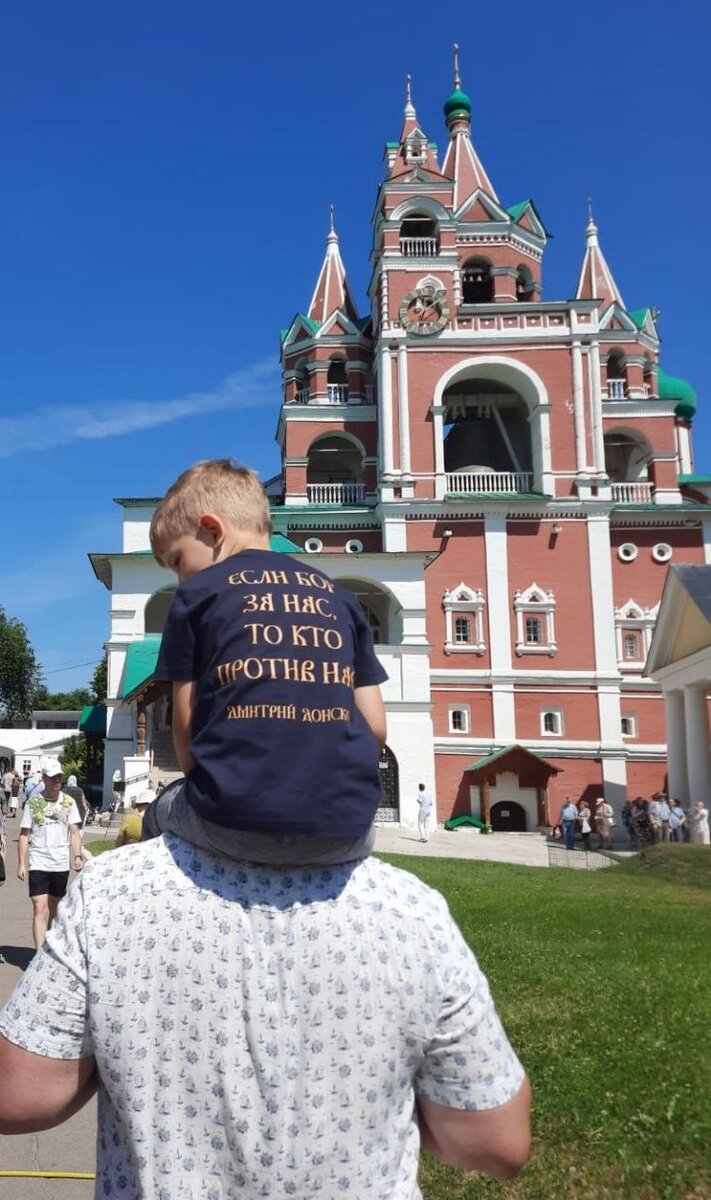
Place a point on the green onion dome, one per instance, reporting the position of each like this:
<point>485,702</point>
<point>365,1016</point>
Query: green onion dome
<point>673,388</point>
<point>457,105</point>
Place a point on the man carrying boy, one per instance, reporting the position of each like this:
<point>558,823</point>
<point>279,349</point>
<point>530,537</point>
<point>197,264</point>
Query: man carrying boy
<point>276,709</point>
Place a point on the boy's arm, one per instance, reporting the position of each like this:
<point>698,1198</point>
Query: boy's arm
<point>370,703</point>
<point>183,703</point>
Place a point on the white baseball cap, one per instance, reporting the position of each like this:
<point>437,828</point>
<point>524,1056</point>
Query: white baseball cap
<point>51,767</point>
<point>146,797</point>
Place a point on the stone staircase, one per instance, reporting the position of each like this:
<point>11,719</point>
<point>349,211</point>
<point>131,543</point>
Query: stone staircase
<point>165,764</point>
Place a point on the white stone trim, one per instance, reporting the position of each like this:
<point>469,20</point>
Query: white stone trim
<point>631,617</point>
<point>535,602</point>
<point>469,602</point>
<point>466,712</point>
<point>559,722</point>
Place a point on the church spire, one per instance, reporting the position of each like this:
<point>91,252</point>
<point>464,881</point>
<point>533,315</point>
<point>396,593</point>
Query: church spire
<point>462,163</point>
<point>332,291</point>
<point>596,281</point>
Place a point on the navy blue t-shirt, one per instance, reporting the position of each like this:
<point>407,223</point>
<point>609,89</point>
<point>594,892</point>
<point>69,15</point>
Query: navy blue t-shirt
<point>276,649</point>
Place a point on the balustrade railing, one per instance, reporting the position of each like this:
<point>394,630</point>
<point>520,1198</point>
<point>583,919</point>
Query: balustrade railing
<point>303,396</point>
<point>337,393</point>
<point>335,493</point>
<point>490,482</point>
<point>616,389</point>
<point>418,247</point>
<point>639,492</point>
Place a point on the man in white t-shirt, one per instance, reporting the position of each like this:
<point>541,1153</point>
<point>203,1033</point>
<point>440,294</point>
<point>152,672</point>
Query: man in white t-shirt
<point>426,803</point>
<point>50,822</point>
<point>255,1031</point>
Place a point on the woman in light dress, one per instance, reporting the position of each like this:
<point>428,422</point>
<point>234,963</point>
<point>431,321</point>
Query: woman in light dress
<point>584,816</point>
<point>700,824</point>
<point>603,823</point>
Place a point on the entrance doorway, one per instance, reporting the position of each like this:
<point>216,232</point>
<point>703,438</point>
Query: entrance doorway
<point>388,810</point>
<point>508,817</point>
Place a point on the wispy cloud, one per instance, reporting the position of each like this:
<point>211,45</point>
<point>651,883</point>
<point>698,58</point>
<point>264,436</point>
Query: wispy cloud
<point>57,425</point>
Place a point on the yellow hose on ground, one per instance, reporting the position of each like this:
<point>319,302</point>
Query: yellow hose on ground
<point>47,1175</point>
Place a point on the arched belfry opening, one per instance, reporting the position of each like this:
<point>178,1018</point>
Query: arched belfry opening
<point>419,235</point>
<point>487,430</point>
<point>334,471</point>
<point>156,610</point>
<point>477,281</point>
<point>627,456</point>
<point>381,609</point>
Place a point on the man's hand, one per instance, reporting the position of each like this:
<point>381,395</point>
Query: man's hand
<point>21,871</point>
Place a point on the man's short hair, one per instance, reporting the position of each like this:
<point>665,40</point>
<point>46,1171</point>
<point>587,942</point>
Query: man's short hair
<point>220,486</point>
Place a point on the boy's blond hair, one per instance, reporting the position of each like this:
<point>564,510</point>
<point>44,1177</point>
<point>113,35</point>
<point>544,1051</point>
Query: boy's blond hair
<point>218,485</point>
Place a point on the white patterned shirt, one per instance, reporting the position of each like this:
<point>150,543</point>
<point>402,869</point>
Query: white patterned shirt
<point>261,1031</point>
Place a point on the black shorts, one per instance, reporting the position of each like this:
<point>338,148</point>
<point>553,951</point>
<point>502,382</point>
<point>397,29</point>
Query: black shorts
<point>48,883</point>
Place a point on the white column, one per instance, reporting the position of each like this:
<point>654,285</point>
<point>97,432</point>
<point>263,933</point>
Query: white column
<point>698,756</point>
<point>596,410</point>
<point>601,594</point>
<point>438,435</point>
<point>579,410</point>
<point>614,784</point>
<point>676,746</point>
<point>385,409</point>
<point>498,608</point>
<point>403,410</point>
<point>706,527</point>
<point>684,446</point>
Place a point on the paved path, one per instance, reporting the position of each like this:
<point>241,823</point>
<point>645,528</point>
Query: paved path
<point>524,849</point>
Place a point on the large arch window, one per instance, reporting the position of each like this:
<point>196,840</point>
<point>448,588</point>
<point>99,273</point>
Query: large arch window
<point>334,471</point>
<point>487,440</point>
<point>477,282</point>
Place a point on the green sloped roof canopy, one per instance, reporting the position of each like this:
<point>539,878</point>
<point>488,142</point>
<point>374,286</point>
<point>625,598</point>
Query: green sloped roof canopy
<point>282,545</point>
<point>141,659</point>
<point>93,719</point>
<point>516,759</point>
<point>638,315</point>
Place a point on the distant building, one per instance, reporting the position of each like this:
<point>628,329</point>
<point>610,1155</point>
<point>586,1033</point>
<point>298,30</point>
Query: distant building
<point>501,479</point>
<point>24,744</point>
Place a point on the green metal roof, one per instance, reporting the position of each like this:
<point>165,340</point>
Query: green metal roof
<point>280,544</point>
<point>141,659</point>
<point>671,387</point>
<point>517,210</point>
<point>695,478</point>
<point>93,719</point>
<point>488,758</point>
<point>638,315</point>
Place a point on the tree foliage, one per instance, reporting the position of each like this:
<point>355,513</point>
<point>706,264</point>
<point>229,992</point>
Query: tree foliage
<point>74,758</point>
<point>61,701</point>
<point>18,669</point>
<point>100,681</point>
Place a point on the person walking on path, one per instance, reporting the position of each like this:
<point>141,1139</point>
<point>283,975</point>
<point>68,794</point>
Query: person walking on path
<point>568,817</point>
<point>424,816</point>
<point>15,787</point>
<point>7,779</point>
<point>603,823</point>
<point>700,824</point>
<point>293,1090</point>
<point>50,822</point>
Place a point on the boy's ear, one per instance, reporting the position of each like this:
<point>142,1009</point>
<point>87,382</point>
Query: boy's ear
<point>214,527</point>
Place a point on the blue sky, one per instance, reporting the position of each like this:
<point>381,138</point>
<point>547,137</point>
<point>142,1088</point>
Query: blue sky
<point>168,170</point>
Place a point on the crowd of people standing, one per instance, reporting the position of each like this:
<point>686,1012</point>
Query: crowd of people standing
<point>660,818</point>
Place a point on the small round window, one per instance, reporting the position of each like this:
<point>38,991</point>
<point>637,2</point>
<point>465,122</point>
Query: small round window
<point>662,552</point>
<point>627,552</point>
<point>313,545</point>
<point>354,546</point>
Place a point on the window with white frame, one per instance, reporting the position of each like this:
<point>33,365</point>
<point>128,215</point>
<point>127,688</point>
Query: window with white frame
<point>634,626</point>
<point>628,725</point>
<point>458,718</point>
<point>552,722</point>
<point>535,621</point>
<point>26,766</point>
<point>464,620</point>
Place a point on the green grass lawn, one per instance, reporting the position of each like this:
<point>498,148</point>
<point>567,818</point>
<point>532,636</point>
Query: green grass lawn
<point>603,980</point>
